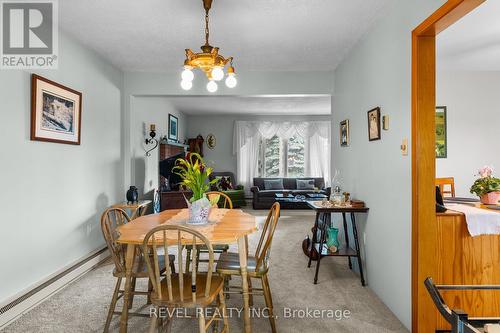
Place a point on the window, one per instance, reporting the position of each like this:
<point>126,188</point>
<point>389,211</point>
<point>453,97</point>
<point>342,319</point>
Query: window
<point>295,157</point>
<point>282,157</point>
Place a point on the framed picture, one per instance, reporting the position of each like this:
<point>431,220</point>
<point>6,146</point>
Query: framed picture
<point>344,133</point>
<point>56,112</point>
<point>173,129</point>
<point>211,141</point>
<point>441,132</point>
<point>374,124</point>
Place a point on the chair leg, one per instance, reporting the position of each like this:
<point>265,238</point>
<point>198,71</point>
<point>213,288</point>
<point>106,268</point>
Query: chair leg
<point>224,312</point>
<point>201,321</point>
<point>153,323</point>
<point>132,289</point>
<point>113,304</point>
<point>226,285</point>
<point>269,301</point>
<point>150,289</point>
<point>250,295</point>
<point>188,258</point>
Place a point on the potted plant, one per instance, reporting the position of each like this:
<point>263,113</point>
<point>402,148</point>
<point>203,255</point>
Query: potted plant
<point>194,174</point>
<point>487,187</point>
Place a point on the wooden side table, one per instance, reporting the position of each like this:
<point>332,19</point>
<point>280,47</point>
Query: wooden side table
<point>323,220</point>
<point>136,209</point>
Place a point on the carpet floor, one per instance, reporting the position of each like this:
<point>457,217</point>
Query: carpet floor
<point>82,305</point>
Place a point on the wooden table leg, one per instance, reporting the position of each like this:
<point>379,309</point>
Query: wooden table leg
<point>314,239</point>
<point>356,243</point>
<point>346,233</point>
<point>129,262</point>
<point>244,281</point>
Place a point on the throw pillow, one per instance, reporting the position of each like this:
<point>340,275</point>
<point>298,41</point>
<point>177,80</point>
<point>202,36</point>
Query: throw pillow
<point>305,184</point>
<point>273,184</point>
<point>225,184</point>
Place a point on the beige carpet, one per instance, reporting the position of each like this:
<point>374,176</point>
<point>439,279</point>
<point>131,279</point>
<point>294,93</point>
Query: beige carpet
<point>82,306</point>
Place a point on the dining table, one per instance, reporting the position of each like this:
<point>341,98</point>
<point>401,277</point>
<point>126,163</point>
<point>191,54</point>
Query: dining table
<point>226,226</point>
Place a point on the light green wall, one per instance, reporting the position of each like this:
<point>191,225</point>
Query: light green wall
<point>377,72</point>
<point>53,194</point>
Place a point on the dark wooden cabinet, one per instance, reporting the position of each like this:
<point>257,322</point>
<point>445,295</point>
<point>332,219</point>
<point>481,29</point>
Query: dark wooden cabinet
<point>174,199</point>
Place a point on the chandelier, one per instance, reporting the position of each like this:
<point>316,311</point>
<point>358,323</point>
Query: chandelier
<point>209,61</point>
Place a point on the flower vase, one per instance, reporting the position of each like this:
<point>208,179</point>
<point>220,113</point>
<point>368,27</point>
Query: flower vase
<point>199,211</point>
<point>492,198</point>
<point>332,241</point>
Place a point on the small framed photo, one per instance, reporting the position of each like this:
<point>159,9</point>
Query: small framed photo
<point>374,124</point>
<point>173,127</point>
<point>56,112</point>
<point>344,133</point>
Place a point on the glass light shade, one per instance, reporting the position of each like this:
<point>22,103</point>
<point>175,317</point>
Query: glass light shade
<point>186,85</point>
<point>212,86</point>
<point>187,75</point>
<point>231,81</point>
<point>217,73</point>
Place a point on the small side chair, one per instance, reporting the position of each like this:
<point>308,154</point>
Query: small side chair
<point>258,264</point>
<point>111,219</point>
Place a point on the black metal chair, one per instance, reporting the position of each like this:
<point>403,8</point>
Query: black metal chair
<point>459,320</point>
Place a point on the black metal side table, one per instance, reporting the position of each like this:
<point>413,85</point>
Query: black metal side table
<point>323,220</point>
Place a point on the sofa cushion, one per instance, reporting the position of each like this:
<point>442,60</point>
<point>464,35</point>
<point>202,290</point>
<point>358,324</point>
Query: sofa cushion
<point>270,193</point>
<point>273,184</point>
<point>305,184</point>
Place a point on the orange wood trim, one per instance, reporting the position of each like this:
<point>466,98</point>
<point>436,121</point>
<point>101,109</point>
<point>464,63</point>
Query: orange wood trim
<point>424,228</point>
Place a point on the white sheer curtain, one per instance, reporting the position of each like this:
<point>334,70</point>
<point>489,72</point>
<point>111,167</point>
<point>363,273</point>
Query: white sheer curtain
<point>248,135</point>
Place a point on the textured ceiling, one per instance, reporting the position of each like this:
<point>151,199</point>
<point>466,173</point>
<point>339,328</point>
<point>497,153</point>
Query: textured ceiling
<point>254,105</point>
<point>472,43</point>
<point>271,35</point>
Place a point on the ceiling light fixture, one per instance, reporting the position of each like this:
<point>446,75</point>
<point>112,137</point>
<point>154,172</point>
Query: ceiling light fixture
<point>209,61</point>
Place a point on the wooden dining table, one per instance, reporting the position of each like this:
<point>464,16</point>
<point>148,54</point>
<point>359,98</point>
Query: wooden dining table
<point>231,226</point>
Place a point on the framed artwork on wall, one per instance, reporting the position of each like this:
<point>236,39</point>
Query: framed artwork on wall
<point>56,112</point>
<point>173,127</point>
<point>441,132</point>
<point>374,124</point>
<point>344,133</point>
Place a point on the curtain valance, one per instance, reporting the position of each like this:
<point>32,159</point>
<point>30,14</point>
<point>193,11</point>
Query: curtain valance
<point>245,131</point>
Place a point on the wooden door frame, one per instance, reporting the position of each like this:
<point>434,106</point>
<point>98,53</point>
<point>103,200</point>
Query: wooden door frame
<point>424,228</point>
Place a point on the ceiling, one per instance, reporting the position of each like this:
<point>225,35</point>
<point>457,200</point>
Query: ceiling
<point>268,35</point>
<point>288,105</point>
<point>472,43</point>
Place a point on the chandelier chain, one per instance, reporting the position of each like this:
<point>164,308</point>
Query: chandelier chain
<point>207,30</point>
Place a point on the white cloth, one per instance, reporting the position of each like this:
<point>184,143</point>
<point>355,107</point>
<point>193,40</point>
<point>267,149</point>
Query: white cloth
<point>248,135</point>
<point>479,221</point>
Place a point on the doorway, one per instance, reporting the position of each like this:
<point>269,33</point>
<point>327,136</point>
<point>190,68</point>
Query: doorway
<point>424,227</point>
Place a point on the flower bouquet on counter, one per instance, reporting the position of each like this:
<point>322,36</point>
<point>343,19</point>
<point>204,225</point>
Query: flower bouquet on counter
<point>487,187</point>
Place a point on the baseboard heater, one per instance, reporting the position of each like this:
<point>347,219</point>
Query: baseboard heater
<point>9,311</point>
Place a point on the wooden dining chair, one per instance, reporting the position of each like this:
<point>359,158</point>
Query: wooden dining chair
<point>219,248</point>
<point>447,181</point>
<point>110,220</point>
<point>258,265</point>
<point>186,290</point>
